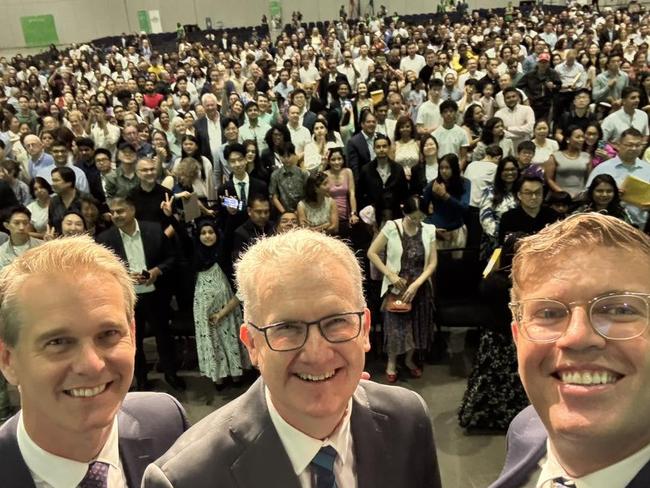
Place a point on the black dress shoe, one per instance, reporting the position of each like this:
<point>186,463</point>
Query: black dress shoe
<point>175,381</point>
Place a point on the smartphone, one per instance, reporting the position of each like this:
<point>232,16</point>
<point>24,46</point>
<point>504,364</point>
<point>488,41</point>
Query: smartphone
<point>145,274</point>
<point>231,202</point>
<point>601,144</point>
<point>347,104</point>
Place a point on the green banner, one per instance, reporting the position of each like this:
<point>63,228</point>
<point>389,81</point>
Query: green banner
<point>39,30</point>
<point>275,8</point>
<point>143,20</point>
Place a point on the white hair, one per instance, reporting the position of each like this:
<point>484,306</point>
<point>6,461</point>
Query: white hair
<point>272,258</point>
<point>209,96</point>
<point>67,255</point>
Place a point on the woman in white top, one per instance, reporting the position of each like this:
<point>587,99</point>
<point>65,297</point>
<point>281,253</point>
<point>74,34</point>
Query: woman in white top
<point>406,150</point>
<point>40,190</point>
<point>315,155</point>
<point>411,259</point>
<point>318,211</point>
<point>544,147</point>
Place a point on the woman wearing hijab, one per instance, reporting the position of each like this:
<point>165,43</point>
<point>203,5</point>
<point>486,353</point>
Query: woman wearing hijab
<point>217,314</point>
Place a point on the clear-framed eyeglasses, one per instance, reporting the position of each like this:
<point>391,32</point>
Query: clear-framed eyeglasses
<point>292,335</point>
<point>614,316</point>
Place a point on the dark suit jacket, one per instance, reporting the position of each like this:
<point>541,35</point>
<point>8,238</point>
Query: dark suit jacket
<point>148,423</point>
<point>229,222</point>
<point>238,446</point>
<point>244,236</point>
<point>371,189</point>
<point>325,88</point>
<point>158,249</point>
<point>309,120</point>
<point>201,126</point>
<point>357,153</point>
<point>526,443</point>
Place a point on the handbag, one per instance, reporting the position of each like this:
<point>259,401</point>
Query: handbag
<point>393,302</point>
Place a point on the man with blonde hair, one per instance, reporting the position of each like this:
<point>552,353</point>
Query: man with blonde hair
<point>67,341</point>
<point>580,302</point>
<point>308,421</point>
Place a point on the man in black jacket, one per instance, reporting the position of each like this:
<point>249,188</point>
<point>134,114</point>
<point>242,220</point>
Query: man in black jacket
<point>257,225</point>
<point>150,258</point>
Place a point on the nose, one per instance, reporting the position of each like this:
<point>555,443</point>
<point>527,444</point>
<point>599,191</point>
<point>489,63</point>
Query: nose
<point>89,360</point>
<point>317,350</point>
<point>579,334</point>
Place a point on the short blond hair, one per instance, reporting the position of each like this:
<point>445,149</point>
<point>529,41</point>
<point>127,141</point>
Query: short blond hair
<point>270,258</point>
<point>60,256</point>
<point>580,231</point>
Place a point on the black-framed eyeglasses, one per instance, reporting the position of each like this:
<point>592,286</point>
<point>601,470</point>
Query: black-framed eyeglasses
<point>614,316</point>
<point>292,335</point>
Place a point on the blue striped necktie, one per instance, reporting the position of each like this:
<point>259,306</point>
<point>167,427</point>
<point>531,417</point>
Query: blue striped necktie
<point>322,468</point>
<point>96,476</point>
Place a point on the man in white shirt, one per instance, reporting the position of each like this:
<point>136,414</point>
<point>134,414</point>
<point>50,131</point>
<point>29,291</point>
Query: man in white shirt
<point>481,173</point>
<point>518,119</point>
<point>254,129</point>
<point>208,129</point>
<point>308,417</point>
<point>300,135</point>
<point>363,64</point>
<point>580,323</point>
<point>413,61</point>
<point>452,139</point>
<point>625,117</point>
<point>70,351</point>
<point>428,118</point>
<point>103,133</point>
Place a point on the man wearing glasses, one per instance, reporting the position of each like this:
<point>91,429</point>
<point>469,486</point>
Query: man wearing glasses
<point>580,302</point>
<point>309,421</point>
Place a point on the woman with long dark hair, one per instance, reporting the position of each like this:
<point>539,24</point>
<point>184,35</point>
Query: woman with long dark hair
<point>493,133</point>
<point>496,200</point>
<point>449,195</point>
<point>317,210</point>
<point>603,196</point>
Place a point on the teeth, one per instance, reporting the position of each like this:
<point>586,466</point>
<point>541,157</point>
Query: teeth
<point>87,392</point>
<point>311,377</point>
<point>588,378</point>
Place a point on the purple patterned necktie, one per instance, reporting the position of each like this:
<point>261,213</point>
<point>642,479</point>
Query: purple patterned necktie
<point>96,476</point>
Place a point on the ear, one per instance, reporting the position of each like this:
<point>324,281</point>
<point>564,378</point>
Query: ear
<point>365,330</point>
<point>251,343</point>
<point>7,363</point>
<point>514,328</point>
<point>132,331</point>
<point>5,224</point>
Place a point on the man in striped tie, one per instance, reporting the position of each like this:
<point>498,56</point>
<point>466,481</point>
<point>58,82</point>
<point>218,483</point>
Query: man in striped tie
<point>308,422</point>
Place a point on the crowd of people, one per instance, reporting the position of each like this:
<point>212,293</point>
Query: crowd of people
<point>394,136</point>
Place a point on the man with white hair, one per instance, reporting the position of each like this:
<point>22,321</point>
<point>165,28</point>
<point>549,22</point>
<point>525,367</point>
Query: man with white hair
<point>208,128</point>
<point>70,352</point>
<point>38,158</point>
<point>308,421</point>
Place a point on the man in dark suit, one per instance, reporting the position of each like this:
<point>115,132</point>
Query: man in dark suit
<point>208,129</point>
<point>329,80</point>
<point>308,421</point>
<point>580,323</point>
<point>257,225</point>
<point>71,352</point>
<point>359,150</point>
<point>382,180</point>
<point>149,254</point>
<point>244,189</point>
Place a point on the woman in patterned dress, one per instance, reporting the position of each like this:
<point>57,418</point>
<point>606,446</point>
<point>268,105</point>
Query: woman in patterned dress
<point>217,314</point>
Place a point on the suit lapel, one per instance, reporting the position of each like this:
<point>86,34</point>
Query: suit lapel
<point>368,429</point>
<point>642,479</point>
<point>263,456</point>
<point>135,451</point>
<point>18,476</point>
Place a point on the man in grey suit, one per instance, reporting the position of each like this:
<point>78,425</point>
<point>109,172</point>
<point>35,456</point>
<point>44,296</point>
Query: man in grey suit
<point>67,341</point>
<point>309,421</point>
<point>580,302</point>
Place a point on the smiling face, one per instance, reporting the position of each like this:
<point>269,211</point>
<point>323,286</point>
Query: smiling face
<point>301,401</point>
<point>74,357</point>
<point>614,416</point>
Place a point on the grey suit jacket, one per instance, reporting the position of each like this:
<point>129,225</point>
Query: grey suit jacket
<point>148,424</point>
<point>238,446</point>
<point>526,443</point>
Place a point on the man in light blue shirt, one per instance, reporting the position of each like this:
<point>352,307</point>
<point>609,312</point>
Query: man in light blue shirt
<point>60,155</point>
<point>627,163</point>
<point>627,116</point>
<point>254,129</point>
<point>38,158</point>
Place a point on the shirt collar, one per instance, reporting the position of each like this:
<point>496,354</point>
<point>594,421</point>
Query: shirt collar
<point>57,471</point>
<point>618,162</point>
<point>136,233</point>
<point>618,474</point>
<point>237,181</point>
<point>302,448</point>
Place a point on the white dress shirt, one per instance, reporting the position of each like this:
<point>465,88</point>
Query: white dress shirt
<point>301,448</point>
<point>214,134</point>
<point>135,256</point>
<point>246,182</point>
<point>619,474</point>
<point>51,471</point>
